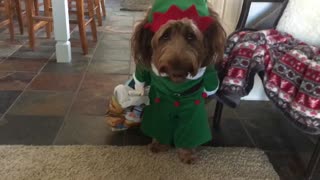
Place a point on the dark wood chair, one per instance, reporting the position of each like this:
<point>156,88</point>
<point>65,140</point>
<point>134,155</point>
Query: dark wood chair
<point>243,25</point>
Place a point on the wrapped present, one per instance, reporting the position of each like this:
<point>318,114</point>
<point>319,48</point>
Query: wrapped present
<point>125,108</point>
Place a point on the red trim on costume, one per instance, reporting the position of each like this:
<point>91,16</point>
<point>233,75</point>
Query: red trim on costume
<point>197,102</point>
<point>157,100</point>
<point>204,95</point>
<point>175,13</point>
<point>176,104</point>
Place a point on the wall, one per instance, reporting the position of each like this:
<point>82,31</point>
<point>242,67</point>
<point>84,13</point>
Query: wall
<point>229,11</point>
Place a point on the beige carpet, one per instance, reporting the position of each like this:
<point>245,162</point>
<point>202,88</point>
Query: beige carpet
<point>130,162</point>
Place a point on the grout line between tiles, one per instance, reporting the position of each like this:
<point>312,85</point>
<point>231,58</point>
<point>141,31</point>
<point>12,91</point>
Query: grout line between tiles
<point>76,92</point>
<point>25,89</point>
<point>248,133</point>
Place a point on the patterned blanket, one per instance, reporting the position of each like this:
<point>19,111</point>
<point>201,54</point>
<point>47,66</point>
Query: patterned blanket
<point>289,70</point>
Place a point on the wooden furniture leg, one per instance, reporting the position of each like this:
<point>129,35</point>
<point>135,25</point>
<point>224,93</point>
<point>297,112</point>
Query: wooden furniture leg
<point>313,162</point>
<point>92,21</point>
<point>82,26</point>
<point>30,23</point>
<point>47,13</point>
<point>97,8</point>
<point>9,18</point>
<point>19,15</point>
<point>103,7</point>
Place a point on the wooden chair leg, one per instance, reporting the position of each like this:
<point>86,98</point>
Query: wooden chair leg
<point>9,14</point>
<point>98,11</point>
<point>36,7</point>
<point>29,12</point>
<point>92,21</point>
<point>47,13</point>
<point>82,26</point>
<point>314,161</point>
<point>19,15</point>
<point>103,7</point>
<point>217,116</point>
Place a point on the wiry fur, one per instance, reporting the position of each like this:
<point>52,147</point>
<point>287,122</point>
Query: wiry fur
<point>213,40</point>
<point>178,48</point>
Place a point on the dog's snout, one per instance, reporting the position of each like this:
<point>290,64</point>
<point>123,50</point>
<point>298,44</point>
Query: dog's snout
<point>178,75</point>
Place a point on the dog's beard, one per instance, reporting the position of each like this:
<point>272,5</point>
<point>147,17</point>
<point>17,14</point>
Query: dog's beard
<point>176,66</point>
<point>178,50</point>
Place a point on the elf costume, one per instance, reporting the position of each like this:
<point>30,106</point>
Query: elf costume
<point>176,114</point>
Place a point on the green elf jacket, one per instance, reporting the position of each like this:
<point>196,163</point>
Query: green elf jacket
<point>174,117</point>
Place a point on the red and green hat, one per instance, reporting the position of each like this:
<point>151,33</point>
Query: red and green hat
<point>165,10</point>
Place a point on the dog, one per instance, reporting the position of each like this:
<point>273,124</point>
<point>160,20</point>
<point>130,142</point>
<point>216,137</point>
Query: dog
<point>178,51</point>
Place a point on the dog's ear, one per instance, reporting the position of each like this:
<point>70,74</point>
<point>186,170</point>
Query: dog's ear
<point>141,48</point>
<point>214,40</point>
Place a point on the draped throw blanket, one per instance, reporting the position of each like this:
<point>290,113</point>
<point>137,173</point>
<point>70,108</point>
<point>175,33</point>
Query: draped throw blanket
<point>289,70</point>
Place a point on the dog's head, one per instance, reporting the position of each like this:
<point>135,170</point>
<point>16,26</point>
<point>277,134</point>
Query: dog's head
<point>178,48</point>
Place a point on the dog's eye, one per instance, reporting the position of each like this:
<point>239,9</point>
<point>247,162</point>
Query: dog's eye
<point>191,37</point>
<point>165,36</point>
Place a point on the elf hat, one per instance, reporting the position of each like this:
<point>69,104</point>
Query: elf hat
<point>164,10</point>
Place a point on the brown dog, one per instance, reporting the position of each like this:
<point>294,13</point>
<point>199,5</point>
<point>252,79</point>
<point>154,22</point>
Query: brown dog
<point>178,48</point>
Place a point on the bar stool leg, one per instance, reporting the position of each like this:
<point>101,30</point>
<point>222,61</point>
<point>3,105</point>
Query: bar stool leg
<point>103,7</point>
<point>8,11</point>
<point>19,15</point>
<point>46,4</point>
<point>36,7</point>
<point>29,12</point>
<point>82,26</point>
<point>98,11</point>
<point>92,21</point>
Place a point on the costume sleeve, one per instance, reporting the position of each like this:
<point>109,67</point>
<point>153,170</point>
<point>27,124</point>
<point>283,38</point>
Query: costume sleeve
<point>141,76</point>
<point>211,81</point>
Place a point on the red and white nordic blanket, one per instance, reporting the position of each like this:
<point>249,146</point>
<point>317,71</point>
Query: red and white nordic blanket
<point>290,71</point>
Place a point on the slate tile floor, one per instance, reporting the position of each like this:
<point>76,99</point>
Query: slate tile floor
<point>43,103</point>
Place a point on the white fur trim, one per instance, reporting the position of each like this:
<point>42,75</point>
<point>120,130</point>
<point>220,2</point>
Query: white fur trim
<point>200,73</point>
<point>209,93</point>
<point>155,70</point>
<point>136,81</point>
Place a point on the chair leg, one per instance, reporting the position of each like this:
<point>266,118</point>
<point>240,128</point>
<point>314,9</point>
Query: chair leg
<point>8,10</point>
<point>103,7</point>
<point>82,26</point>
<point>46,4</point>
<point>92,21</point>
<point>19,15</point>
<point>314,161</point>
<point>29,11</point>
<point>217,116</point>
<point>36,7</point>
<point>98,11</point>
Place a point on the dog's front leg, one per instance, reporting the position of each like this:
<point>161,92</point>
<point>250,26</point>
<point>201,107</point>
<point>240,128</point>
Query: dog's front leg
<point>156,147</point>
<point>187,156</point>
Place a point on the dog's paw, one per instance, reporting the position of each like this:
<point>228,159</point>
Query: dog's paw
<point>156,147</point>
<point>187,156</point>
<point>189,159</point>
